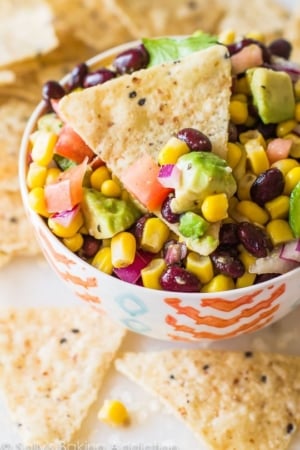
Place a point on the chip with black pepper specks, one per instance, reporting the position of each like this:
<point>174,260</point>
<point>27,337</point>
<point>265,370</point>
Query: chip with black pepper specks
<point>238,403</point>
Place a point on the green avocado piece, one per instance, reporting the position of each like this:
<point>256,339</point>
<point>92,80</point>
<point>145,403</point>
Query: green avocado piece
<point>106,216</point>
<point>294,211</point>
<point>50,122</point>
<point>272,93</point>
<point>202,174</point>
<point>192,225</point>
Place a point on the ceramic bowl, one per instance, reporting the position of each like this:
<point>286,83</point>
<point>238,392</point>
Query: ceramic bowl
<point>160,314</point>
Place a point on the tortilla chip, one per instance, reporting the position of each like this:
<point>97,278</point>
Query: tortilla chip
<point>267,17</point>
<point>168,17</point>
<point>230,400</point>
<point>293,33</point>
<point>25,30</point>
<point>4,258</point>
<point>138,113</point>
<point>16,232</point>
<point>52,365</point>
<point>7,77</point>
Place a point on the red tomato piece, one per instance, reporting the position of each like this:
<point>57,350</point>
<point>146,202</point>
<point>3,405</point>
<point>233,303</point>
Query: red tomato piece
<point>141,180</point>
<point>71,146</point>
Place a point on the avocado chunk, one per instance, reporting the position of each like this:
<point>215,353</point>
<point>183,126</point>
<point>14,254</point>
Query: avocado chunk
<point>272,93</point>
<point>294,212</point>
<point>202,174</point>
<point>106,216</point>
<point>192,225</point>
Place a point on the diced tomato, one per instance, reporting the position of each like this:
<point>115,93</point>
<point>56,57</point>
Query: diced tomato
<point>141,180</point>
<point>71,146</point>
<point>67,191</point>
<point>54,103</point>
<point>278,148</point>
<point>250,56</point>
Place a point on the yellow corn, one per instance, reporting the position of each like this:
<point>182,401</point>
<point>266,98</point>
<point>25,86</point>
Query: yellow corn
<point>155,233</point>
<point>215,207</point>
<point>52,175</point>
<point>241,86</point>
<point>283,128</point>
<point>252,211</point>
<point>291,179</point>
<point>279,231</point>
<point>256,35</point>
<point>98,176</point>
<point>244,185</point>
<point>172,150</point>
<point>278,208</point>
<point>257,157</point>
<point>251,135</point>
<point>152,272</point>
<point>238,111</point>
<point>37,202</point>
<point>239,97</point>
<point>114,413</point>
<point>43,147</point>
<point>227,37</point>
<point>74,243</point>
<point>247,279</point>
<point>111,188</point>
<point>250,122</point>
<point>123,248</point>
<point>295,148</point>
<point>234,154</point>
<point>297,111</point>
<point>219,283</point>
<point>201,266</point>
<point>69,231</point>
<point>240,169</point>
<point>36,175</point>
<point>285,165</point>
<point>297,89</point>
<point>102,260</point>
<point>246,258</point>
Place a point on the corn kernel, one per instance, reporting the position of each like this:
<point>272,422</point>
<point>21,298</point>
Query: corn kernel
<point>241,86</point>
<point>240,169</point>
<point>251,135</point>
<point>252,211</point>
<point>233,155</point>
<point>247,279</point>
<point>291,179</point>
<point>256,35</point>
<point>283,128</point>
<point>111,188</point>
<point>36,175</point>
<point>43,147</point>
<point>214,207</point>
<point>238,112</point>
<point>285,165</point>
<point>172,150</point>
<point>155,233</point>
<point>257,156</point>
<point>66,232</point>
<point>251,121</point>
<point>246,258</point>
<point>278,208</point>
<point>227,37</point>
<point>52,175</point>
<point>201,266</point>
<point>244,185</point>
<point>152,272</point>
<point>74,243</point>
<point>98,176</point>
<point>279,231</point>
<point>102,260</point>
<point>37,201</point>
<point>297,89</point>
<point>295,148</point>
<point>123,248</point>
<point>239,97</point>
<point>297,111</point>
<point>219,283</point>
<point>114,413</point>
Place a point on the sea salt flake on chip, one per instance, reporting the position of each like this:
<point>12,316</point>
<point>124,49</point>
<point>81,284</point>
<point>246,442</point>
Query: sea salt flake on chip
<point>230,400</point>
<point>26,30</point>
<point>52,365</point>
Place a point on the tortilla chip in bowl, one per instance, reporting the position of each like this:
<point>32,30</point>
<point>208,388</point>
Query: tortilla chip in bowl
<point>123,122</point>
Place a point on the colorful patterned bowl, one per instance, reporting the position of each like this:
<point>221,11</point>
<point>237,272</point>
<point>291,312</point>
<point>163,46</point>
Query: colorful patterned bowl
<point>160,314</point>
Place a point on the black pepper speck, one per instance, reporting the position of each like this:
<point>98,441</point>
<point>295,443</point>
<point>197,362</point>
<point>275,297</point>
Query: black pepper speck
<point>141,101</point>
<point>63,340</point>
<point>132,94</point>
<point>248,354</point>
<point>205,367</point>
<point>263,378</point>
<point>172,377</point>
<point>75,330</point>
<point>289,428</point>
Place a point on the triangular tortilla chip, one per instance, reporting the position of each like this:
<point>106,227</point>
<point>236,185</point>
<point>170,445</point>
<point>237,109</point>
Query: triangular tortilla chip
<point>230,400</point>
<point>138,113</point>
<point>293,33</point>
<point>52,364</point>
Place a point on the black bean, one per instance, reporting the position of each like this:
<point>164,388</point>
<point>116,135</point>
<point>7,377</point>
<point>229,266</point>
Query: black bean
<point>229,234</point>
<point>227,264</point>
<point>99,76</point>
<point>265,277</point>
<point>267,186</point>
<point>239,45</point>
<point>178,279</point>
<point>52,90</point>
<point>131,60</point>
<point>195,139</point>
<point>138,227</point>
<point>281,47</point>
<point>254,239</point>
<point>90,246</point>
<point>167,212</point>
<point>78,75</point>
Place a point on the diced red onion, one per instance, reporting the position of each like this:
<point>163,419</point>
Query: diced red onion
<point>169,175</point>
<point>132,273</point>
<point>65,218</point>
<point>273,263</point>
<point>290,251</point>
